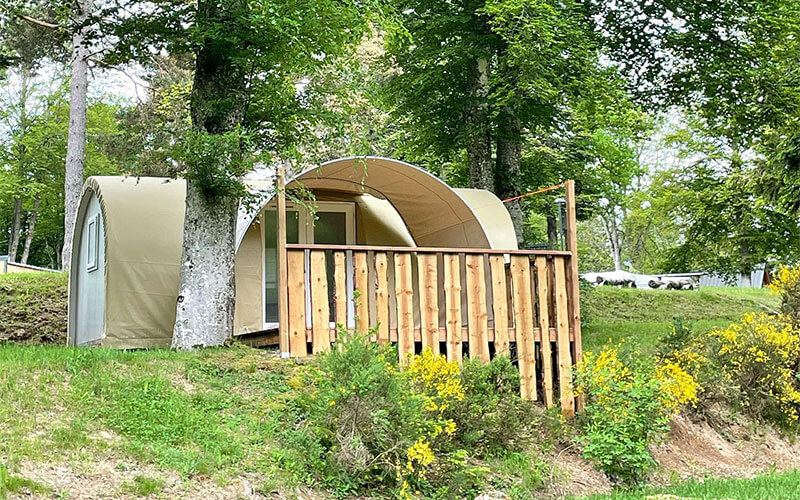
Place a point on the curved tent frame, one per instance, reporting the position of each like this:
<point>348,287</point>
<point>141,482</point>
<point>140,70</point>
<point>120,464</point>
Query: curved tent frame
<point>434,213</point>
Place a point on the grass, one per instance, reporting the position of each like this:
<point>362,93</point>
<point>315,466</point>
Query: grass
<point>16,484</point>
<point>612,314</point>
<point>771,486</point>
<point>33,307</point>
<point>216,413</point>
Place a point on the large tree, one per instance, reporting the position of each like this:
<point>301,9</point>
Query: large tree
<point>478,78</point>
<point>246,104</point>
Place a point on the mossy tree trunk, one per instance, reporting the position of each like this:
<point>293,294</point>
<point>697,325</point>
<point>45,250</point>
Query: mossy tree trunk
<point>207,292</point>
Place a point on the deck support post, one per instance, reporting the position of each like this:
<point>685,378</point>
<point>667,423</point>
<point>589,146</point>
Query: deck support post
<point>573,277</point>
<point>283,278</point>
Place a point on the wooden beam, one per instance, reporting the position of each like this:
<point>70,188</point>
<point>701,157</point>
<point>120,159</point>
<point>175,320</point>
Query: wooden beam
<point>283,279</point>
<point>562,328</point>
<point>373,248</point>
<point>497,266</point>
<point>572,273</point>
<point>476,308</point>
<point>452,301</point>
<point>523,323</point>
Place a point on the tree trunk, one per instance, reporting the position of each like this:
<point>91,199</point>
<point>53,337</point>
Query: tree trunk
<point>76,137</point>
<point>612,232</point>
<point>479,139</point>
<point>13,238</point>
<point>207,293</point>
<point>552,231</point>
<point>31,228</point>
<point>476,113</point>
<point>509,170</point>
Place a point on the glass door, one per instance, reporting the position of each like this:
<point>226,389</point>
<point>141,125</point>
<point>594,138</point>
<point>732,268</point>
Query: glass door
<point>333,224</point>
<point>270,224</point>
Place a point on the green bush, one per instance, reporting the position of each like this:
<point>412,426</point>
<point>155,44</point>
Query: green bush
<point>624,414</point>
<point>493,419</point>
<point>425,431</point>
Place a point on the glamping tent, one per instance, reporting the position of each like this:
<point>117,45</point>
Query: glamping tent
<point>126,262</point>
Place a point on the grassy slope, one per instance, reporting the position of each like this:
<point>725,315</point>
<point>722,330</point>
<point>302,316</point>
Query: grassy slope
<point>611,314</point>
<point>771,486</point>
<point>217,413</point>
<point>33,307</point>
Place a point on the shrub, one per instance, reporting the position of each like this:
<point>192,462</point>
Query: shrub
<point>427,431</point>
<point>759,355</point>
<point>629,404</point>
<point>492,418</point>
<point>786,283</point>
<point>379,428</point>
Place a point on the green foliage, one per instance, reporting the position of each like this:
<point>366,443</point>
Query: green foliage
<point>772,486</point>
<point>14,484</point>
<point>144,486</point>
<point>250,57</point>
<point>786,284</point>
<point>629,402</point>
<point>676,339</point>
<point>376,428</point>
<point>358,409</point>
<point>492,418</point>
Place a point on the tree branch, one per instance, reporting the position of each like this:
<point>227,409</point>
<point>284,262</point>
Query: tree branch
<point>38,22</point>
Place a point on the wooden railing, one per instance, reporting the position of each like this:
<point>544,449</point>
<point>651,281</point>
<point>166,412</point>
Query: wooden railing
<point>477,302</point>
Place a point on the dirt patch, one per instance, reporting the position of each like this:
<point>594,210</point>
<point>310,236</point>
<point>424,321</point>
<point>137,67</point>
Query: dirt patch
<point>572,475</point>
<point>741,449</point>
<point>111,478</point>
<point>33,308</point>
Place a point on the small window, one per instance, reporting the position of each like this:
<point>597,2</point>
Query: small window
<point>91,243</point>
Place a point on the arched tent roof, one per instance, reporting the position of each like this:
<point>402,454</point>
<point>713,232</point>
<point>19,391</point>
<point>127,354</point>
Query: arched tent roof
<point>435,213</point>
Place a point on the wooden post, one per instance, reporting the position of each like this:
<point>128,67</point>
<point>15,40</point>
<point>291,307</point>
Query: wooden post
<point>283,277</point>
<point>574,284</point>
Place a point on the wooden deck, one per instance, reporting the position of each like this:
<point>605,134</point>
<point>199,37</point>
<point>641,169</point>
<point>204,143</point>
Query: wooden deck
<point>458,302</point>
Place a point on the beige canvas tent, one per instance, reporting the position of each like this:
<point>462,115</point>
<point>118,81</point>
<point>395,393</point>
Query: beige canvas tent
<point>126,263</point>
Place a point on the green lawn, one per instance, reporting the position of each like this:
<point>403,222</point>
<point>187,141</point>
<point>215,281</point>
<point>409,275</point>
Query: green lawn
<point>214,413</point>
<point>612,314</point>
<point>771,486</point>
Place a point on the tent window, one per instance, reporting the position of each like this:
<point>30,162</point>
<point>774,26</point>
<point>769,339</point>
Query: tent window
<point>93,230</point>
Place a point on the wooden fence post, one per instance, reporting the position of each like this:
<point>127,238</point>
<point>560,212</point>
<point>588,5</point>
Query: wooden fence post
<point>283,278</point>
<point>574,280</point>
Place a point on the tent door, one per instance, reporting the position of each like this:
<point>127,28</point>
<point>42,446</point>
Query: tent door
<point>334,224</point>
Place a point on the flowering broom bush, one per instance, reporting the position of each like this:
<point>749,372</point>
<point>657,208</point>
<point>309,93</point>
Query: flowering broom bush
<point>759,355</point>
<point>374,427</point>
<point>629,403</point>
<point>786,283</point>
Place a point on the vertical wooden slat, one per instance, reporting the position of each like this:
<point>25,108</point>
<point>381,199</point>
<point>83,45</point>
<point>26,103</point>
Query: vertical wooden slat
<point>404,292</point>
<point>361,283</point>
<point>340,282</point>
<point>497,263</point>
<point>543,293</point>
<point>382,297</point>
<point>283,278</point>
<point>562,336</point>
<point>296,284</point>
<point>320,309</point>
<point>476,308</point>
<point>574,288</point>
<point>523,323</point>
<point>428,301</point>
<point>452,300</point>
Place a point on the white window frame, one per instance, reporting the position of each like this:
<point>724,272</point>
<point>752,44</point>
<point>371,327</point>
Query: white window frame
<point>93,243</point>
